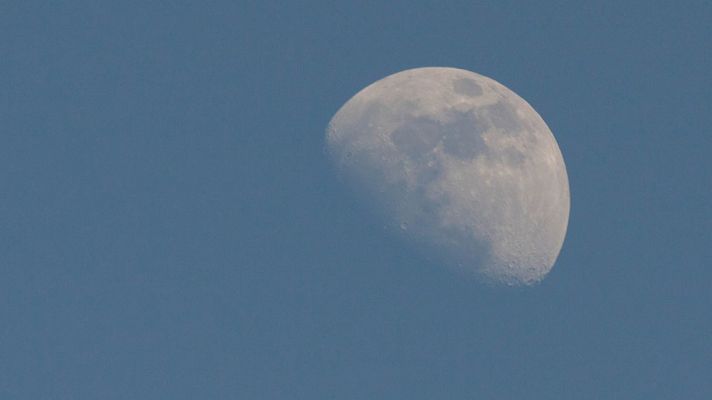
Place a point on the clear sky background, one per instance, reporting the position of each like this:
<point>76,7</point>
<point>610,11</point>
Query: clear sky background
<point>170,227</point>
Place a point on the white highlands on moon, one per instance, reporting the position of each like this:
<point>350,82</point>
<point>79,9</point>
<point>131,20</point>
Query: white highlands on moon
<point>460,165</point>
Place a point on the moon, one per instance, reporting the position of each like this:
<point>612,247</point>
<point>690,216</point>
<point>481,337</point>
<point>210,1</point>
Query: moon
<point>460,166</point>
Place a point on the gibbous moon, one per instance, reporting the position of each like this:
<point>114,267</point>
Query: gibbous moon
<point>460,166</point>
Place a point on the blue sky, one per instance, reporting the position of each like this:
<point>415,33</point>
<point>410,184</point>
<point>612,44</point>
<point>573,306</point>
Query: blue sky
<point>171,226</point>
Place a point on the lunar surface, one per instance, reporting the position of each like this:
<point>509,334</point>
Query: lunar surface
<point>460,166</point>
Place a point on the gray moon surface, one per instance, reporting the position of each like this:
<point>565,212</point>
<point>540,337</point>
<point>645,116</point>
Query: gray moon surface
<point>460,166</point>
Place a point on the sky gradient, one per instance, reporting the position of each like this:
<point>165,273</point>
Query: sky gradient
<point>171,226</point>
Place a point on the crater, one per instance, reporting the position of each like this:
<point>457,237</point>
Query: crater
<point>463,137</point>
<point>429,172</point>
<point>467,87</point>
<point>503,116</point>
<point>417,137</point>
<point>513,156</point>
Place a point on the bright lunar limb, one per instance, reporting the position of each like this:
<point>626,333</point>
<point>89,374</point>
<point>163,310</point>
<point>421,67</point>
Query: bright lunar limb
<point>460,165</point>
